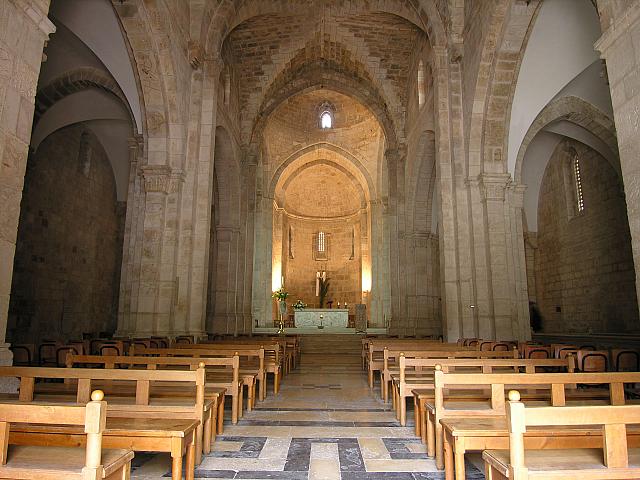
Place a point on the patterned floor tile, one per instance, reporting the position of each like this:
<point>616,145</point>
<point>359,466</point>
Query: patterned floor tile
<point>326,424</point>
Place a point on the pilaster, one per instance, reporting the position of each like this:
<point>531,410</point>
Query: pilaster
<point>620,47</point>
<point>24,28</point>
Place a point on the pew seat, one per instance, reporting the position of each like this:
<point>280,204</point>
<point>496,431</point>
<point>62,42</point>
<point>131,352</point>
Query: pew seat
<point>55,463</point>
<point>176,437</point>
<point>463,435</point>
<point>610,459</point>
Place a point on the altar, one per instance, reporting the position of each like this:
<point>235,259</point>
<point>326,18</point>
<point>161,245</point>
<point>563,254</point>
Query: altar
<point>316,317</point>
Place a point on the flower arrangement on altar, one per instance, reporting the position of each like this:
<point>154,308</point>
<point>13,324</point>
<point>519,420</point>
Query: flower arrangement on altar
<point>281,294</point>
<point>299,305</point>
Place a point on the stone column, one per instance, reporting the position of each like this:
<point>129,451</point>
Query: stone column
<point>498,325</point>
<point>620,46</point>
<point>397,320</point>
<point>455,219</point>
<point>226,288</point>
<point>249,185</point>
<point>517,261</point>
<point>262,305</point>
<point>379,297</point>
<point>157,282</point>
<point>132,234</point>
<point>24,28</point>
<point>195,213</point>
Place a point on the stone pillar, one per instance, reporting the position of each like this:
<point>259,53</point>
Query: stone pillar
<point>379,297</point>
<point>517,261</point>
<point>457,271</point>
<point>262,305</point>
<point>249,185</point>
<point>397,321</point>
<point>195,212</point>
<point>132,234</point>
<point>499,324</point>
<point>620,47</point>
<point>150,283</point>
<point>24,28</point>
<point>226,288</point>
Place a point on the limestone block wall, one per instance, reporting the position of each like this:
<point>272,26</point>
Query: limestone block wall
<point>585,272</point>
<point>69,247</point>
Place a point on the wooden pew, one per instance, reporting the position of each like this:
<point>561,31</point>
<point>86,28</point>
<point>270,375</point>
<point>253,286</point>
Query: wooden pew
<point>271,360</point>
<point>475,425</point>
<point>46,462</point>
<point>266,358</point>
<point>234,386</point>
<point>417,373</point>
<point>422,396</point>
<point>612,460</point>
<point>134,394</point>
<point>375,360</point>
<point>275,352</point>
<point>390,364</point>
<point>213,391</point>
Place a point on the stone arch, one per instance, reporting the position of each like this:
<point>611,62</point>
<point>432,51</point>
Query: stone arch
<point>574,110</point>
<point>509,26</point>
<point>74,81</point>
<point>284,182</point>
<point>146,25</point>
<point>316,77</point>
<point>218,22</point>
<point>324,151</point>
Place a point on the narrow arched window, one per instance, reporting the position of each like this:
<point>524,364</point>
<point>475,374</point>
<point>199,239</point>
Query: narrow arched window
<point>326,120</point>
<point>577,179</point>
<point>227,87</point>
<point>422,88</point>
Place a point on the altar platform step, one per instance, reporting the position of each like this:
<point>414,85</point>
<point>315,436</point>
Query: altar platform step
<point>331,345</point>
<point>319,331</point>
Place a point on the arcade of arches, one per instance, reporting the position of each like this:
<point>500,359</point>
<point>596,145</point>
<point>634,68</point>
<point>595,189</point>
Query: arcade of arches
<point>167,165</point>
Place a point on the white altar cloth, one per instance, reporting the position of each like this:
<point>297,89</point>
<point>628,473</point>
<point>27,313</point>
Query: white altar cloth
<point>314,317</point>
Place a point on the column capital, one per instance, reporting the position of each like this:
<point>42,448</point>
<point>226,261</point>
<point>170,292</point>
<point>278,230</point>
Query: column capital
<point>136,142</point>
<point>398,153</point>
<point>494,186</point>
<point>516,193</point>
<point>161,179</point>
<point>250,156</point>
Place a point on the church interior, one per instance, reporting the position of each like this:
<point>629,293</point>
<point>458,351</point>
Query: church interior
<point>319,239</point>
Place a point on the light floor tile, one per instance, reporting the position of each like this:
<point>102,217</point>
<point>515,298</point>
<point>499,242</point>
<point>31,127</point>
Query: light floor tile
<point>324,451</point>
<point>373,448</point>
<point>324,469</point>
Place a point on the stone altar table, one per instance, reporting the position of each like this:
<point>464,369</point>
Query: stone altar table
<point>311,317</point>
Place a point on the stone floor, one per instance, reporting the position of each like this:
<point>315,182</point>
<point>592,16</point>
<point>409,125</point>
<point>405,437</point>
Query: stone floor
<point>324,424</point>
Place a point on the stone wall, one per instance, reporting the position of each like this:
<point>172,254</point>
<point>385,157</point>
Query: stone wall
<point>69,248</point>
<point>585,273</point>
<point>343,265</point>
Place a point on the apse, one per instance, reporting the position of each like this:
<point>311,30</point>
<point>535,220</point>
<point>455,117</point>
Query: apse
<point>323,161</point>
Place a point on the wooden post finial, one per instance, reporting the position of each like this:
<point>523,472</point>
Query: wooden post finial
<point>438,367</point>
<point>514,396</point>
<point>201,365</point>
<point>97,395</point>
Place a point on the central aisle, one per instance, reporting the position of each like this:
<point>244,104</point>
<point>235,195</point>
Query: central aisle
<point>324,424</point>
